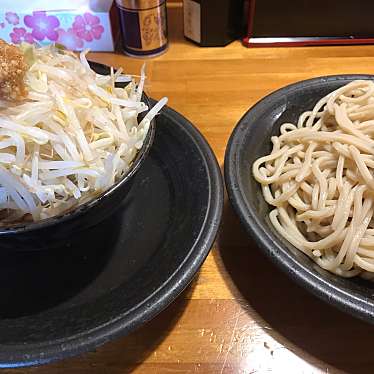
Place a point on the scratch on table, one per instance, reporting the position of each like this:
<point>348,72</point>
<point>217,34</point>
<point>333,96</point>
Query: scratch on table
<point>231,341</point>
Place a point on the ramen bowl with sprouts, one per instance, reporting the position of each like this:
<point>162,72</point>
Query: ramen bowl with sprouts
<point>71,141</point>
<point>299,173</point>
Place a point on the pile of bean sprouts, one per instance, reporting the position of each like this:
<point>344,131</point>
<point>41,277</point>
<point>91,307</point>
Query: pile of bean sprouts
<point>73,137</point>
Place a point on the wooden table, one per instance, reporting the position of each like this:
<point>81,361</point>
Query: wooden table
<point>240,314</point>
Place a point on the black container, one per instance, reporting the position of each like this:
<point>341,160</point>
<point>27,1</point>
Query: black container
<point>54,231</point>
<point>250,140</point>
<point>121,273</point>
<point>213,23</point>
<point>309,22</point>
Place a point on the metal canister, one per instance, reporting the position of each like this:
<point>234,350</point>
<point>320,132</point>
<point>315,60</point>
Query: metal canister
<point>143,26</point>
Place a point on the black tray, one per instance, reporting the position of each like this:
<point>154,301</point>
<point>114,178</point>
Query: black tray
<point>121,273</point>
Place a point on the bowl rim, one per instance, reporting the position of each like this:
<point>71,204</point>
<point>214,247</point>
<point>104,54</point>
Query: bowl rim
<point>141,155</point>
<point>311,280</point>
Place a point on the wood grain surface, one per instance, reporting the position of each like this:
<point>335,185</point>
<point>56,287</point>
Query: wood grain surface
<point>240,314</point>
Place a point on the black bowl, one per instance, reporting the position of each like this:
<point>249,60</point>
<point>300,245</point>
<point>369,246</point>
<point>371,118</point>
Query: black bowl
<point>250,140</point>
<point>52,232</point>
<point>119,274</point>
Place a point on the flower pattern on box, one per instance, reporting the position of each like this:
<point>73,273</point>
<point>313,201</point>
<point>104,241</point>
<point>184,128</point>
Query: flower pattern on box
<point>69,39</point>
<point>20,35</point>
<point>75,32</point>
<point>88,27</point>
<point>42,26</point>
<point>12,18</point>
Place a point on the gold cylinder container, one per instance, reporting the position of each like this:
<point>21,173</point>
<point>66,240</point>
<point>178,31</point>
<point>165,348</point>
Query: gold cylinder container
<point>143,26</point>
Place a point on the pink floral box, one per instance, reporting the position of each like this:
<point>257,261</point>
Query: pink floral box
<point>85,27</point>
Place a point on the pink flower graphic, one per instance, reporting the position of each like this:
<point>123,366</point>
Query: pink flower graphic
<point>88,27</point>
<point>42,26</point>
<point>20,35</point>
<point>69,39</point>
<point>12,18</point>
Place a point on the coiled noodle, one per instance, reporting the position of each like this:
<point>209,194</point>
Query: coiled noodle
<point>319,179</point>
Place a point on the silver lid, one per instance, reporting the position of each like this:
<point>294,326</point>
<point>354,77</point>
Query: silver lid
<point>139,4</point>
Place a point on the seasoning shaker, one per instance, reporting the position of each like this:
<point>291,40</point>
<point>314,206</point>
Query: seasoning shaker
<point>143,27</point>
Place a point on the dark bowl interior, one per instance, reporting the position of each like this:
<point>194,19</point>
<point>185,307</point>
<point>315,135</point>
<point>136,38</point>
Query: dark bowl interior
<point>250,140</point>
<point>52,232</point>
